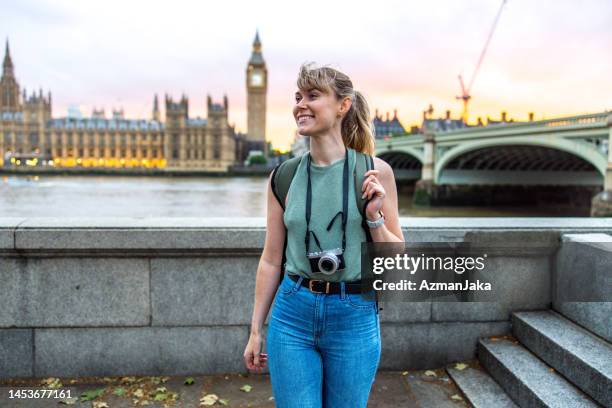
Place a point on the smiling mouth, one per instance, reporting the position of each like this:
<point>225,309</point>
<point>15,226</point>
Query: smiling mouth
<point>302,118</point>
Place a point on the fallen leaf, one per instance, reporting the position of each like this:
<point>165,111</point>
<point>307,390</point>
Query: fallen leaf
<point>460,366</point>
<point>164,379</point>
<point>69,401</point>
<point>99,404</point>
<point>119,391</point>
<point>90,395</point>
<point>189,381</point>
<point>405,373</point>
<point>209,399</point>
<point>138,393</point>
<point>160,397</point>
<point>224,401</point>
<point>52,383</point>
<point>431,373</point>
<point>456,397</point>
<point>128,380</point>
<point>246,388</point>
<point>160,394</point>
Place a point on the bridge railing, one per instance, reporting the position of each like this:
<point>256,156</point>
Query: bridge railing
<point>591,119</point>
<point>587,119</point>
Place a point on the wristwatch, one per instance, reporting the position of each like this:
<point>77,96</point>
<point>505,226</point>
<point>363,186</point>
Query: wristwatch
<point>376,223</point>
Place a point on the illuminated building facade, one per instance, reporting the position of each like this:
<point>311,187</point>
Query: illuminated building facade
<point>29,135</point>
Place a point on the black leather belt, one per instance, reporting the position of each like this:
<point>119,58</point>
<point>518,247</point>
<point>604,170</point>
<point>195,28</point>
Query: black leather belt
<point>320,286</point>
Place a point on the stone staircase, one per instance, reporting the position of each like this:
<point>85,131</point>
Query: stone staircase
<point>561,357</point>
<point>550,362</point>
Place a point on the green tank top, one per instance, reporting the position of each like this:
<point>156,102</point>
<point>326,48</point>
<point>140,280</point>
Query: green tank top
<point>326,183</point>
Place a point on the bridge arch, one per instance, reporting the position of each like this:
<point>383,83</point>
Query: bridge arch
<point>578,155</point>
<point>406,164</point>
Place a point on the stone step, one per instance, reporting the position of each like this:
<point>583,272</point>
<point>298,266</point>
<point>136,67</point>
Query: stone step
<point>479,388</point>
<point>581,357</point>
<point>526,379</point>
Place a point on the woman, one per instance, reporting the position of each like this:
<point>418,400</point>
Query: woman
<point>323,348</point>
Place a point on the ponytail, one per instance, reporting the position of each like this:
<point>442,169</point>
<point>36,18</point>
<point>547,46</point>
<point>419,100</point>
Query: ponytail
<point>356,126</point>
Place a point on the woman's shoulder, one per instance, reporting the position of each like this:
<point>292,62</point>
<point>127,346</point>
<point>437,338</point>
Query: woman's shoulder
<point>384,167</point>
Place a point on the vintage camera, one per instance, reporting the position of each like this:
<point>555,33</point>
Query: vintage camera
<point>327,262</point>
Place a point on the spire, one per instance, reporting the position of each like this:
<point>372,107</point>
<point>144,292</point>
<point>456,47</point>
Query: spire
<point>256,41</point>
<point>156,115</point>
<point>7,65</point>
<point>256,57</point>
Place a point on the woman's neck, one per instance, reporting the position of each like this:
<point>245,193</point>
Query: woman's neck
<point>325,150</point>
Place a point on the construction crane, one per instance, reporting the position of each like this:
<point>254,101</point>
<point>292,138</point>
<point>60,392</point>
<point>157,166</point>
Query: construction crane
<point>465,92</point>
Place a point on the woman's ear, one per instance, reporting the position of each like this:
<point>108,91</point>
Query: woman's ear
<point>345,105</point>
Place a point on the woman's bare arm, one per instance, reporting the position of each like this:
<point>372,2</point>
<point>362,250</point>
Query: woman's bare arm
<point>266,281</point>
<point>269,269</point>
<point>391,230</point>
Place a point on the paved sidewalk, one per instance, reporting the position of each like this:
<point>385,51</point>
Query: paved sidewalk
<point>431,389</point>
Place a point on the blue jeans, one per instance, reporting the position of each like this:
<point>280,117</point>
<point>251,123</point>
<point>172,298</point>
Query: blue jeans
<point>323,349</point>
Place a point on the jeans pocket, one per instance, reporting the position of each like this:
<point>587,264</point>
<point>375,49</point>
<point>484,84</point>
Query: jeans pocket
<point>288,286</point>
<point>357,301</point>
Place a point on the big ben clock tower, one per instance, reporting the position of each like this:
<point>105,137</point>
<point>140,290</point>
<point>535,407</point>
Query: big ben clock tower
<point>257,87</point>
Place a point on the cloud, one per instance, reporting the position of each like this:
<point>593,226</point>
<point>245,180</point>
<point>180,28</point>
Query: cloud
<point>551,57</point>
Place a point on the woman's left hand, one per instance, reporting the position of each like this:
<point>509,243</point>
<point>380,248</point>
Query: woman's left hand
<point>374,191</point>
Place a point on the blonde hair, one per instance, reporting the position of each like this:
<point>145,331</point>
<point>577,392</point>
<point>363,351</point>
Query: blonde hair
<point>356,128</point>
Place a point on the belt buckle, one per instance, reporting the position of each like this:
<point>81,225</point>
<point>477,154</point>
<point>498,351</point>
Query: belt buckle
<point>317,280</point>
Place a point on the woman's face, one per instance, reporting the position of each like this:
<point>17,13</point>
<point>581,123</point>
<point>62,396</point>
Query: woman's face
<point>316,112</point>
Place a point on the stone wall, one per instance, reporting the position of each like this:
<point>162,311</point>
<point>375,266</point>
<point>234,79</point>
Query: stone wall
<point>119,296</point>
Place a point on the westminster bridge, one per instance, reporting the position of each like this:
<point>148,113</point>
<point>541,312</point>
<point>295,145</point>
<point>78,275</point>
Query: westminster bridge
<point>570,151</point>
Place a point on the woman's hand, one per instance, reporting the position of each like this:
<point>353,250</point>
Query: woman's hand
<point>254,359</point>
<point>374,191</point>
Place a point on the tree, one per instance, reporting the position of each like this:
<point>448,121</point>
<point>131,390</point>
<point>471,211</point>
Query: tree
<point>259,159</point>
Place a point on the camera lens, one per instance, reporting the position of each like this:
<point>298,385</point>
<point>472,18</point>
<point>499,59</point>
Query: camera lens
<point>328,263</point>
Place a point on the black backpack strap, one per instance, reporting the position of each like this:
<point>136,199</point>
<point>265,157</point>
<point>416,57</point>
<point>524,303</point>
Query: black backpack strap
<point>282,176</point>
<point>363,163</point>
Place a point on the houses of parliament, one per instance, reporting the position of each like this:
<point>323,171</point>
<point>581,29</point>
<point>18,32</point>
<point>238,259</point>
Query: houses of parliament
<point>31,136</point>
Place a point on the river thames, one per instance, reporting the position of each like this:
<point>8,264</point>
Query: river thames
<point>118,196</point>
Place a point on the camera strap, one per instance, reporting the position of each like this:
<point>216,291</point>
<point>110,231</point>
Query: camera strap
<point>344,204</point>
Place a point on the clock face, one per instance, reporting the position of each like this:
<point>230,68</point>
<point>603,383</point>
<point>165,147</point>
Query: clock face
<point>256,79</point>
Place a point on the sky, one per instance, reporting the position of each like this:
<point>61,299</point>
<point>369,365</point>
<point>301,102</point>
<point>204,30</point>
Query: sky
<point>552,58</point>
